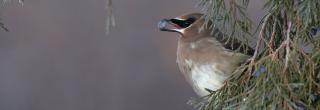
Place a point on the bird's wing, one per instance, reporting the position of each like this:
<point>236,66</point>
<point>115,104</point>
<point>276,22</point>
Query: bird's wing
<point>233,44</point>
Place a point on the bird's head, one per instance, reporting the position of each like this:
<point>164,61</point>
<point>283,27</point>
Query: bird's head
<point>186,25</point>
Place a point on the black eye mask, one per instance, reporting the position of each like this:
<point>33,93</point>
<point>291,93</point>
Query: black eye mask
<point>183,23</point>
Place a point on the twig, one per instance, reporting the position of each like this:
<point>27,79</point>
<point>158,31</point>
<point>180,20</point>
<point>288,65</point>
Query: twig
<point>258,42</point>
<point>110,21</point>
<point>278,49</point>
<point>287,42</point>
<point>272,35</point>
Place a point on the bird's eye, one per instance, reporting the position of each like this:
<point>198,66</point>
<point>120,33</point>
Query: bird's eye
<point>184,23</point>
<point>188,22</point>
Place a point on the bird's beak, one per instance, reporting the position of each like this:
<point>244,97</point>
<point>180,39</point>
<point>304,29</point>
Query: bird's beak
<point>168,25</point>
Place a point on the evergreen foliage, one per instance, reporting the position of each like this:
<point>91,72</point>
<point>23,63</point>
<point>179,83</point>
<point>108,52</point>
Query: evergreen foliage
<point>286,32</point>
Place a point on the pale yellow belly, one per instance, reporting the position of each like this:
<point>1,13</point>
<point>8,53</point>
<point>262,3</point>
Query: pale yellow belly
<point>207,76</point>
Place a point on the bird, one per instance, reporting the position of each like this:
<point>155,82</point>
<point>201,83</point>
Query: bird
<point>205,56</point>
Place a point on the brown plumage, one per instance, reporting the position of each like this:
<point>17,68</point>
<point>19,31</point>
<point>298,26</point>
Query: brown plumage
<point>205,59</point>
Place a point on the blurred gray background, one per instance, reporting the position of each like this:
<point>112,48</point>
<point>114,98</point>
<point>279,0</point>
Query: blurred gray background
<point>57,56</point>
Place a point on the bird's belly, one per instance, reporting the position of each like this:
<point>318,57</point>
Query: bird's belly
<point>207,77</point>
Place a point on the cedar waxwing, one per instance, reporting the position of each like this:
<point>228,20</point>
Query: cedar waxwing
<point>206,59</point>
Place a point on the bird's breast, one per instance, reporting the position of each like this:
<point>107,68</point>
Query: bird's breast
<point>205,76</point>
<point>205,66</point>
